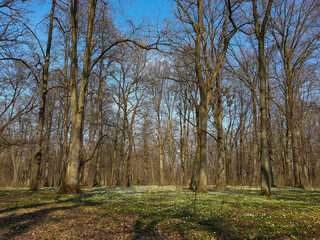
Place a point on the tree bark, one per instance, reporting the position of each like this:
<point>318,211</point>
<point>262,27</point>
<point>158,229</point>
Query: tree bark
<point>203,108</point>
<point>78,101</point>
<point>160,149</point>
<point>36,165</point>
<point>260,31</point>
<point>222,179</point>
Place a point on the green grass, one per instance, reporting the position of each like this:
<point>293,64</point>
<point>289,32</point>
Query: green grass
<point>163,213</point>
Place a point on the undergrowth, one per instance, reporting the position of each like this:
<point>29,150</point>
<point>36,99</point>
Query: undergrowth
<point>165,213</point>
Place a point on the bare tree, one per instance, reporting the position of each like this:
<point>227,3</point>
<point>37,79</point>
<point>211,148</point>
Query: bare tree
<point>210,48</point>
<point>36,165</point>
<point>260,32</point>
<point>78,98</point>
<point>293,26</point>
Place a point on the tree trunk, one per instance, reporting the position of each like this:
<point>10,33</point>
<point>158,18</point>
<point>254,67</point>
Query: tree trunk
<point>48,162</point>
<point>122,151</point>
<point>202,167</point>
<point>161,153</point>
<point>260,31</point>
<point>264,160</point>
<point>96,167</point>
<point>64,151</point>
<point>115,149</point>
<point>77,105</point>
<point>270,137</point>
<point>85,181</point>
<point>255,141</point>
<point>36,165</point>
<point>203,109</point>
<point>183,142</point>
<point>194,173</point>
<point>129,160</point>
<point>171,145</point>
<point>222,180</point>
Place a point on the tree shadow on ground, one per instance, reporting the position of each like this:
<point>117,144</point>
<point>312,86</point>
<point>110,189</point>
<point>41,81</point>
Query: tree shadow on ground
<point>18,224</point>
<point>24,206</point>
<point>145,227</point>
<point>164,225</point>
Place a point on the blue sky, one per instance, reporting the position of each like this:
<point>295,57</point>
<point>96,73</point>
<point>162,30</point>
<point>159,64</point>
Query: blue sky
<point>139,10</point>
<point>148,8</point>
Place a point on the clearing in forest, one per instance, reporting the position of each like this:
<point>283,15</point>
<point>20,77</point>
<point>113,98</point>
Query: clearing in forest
<point>160,213</point>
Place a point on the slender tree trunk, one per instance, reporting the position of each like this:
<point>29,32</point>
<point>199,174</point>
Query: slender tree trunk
<point>298,173</point>
<point>48,162</point>
<point>222,179</point>
<point>16,161</point>
<point>58,145</point>
<point>85,181</point>
<point>255,141</point>
<point>122,149</point>
<point>241,147</point>
<point>115,149</point>
<point>270,137</point>
<point>65,152</point>
<point>183,142</point>
<point>36,165</point>
<point>195,173</point>
<point>161,153</point>
<point>260,31</point>
<point>145,149</point>
<point>171,145</point>
<point>129,160</point>
<point>131,144</point>
<point>96,167</point>
<point>304,160</point>
<point>264,160</point>
<point>288,160</point>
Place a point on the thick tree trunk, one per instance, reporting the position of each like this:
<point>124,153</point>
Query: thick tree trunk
<point>202,167</point>
<point>78,103</point>
<point>203,108</point>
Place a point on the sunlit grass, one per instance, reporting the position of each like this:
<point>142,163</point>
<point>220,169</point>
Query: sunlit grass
<point>233,213</point>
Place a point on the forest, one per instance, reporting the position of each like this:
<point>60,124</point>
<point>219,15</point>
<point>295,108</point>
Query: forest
<point>215,93</point>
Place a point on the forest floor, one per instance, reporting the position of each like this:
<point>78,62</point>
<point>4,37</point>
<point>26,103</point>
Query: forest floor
<point>160,213</point>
